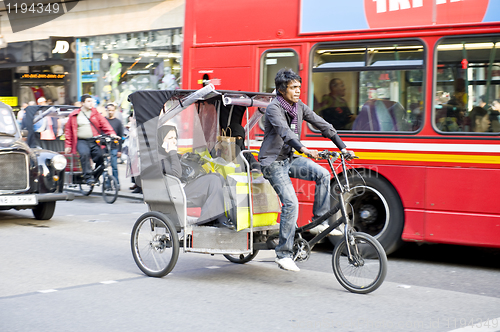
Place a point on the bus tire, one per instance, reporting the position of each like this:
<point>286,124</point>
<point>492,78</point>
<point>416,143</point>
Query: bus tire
<point>378,210</point>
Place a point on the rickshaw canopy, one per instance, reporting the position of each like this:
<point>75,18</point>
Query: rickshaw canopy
<point>198,117</point>
<point>206,110</point>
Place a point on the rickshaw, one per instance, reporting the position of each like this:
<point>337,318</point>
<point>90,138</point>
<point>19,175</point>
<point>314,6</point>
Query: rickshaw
<point>200,118</point>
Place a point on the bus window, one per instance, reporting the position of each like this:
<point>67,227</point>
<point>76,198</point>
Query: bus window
<point>372,87</point>
<point>467,85</point>
<point>271,62</point>
<point>274,60</point>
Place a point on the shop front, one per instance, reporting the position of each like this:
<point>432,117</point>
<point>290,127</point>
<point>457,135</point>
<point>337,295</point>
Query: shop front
<point>110,67</point>
<point>40,68</point>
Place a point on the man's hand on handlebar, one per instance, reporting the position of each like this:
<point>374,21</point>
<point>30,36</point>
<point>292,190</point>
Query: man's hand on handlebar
<point>67,150</point>
<point>348,154</point>
<point>310,153</point>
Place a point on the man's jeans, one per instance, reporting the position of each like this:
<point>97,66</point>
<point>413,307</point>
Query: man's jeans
<point>114,164</point>
<point>279,174</point>
<point>88,148</point>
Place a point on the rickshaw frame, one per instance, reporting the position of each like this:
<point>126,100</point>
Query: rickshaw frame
<point>359,261</point>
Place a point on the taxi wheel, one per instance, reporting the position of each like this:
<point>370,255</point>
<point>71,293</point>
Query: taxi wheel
<point>44,211</point>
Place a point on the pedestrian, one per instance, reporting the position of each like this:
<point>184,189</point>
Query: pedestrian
<point>21,113</point>
<point>116,148</point>
<point>282,129</point>
<point>132,157</point>
<point>83,124</point>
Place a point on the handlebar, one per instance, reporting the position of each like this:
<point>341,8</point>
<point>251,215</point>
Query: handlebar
<point>325,154</point>
<point>106,138</point>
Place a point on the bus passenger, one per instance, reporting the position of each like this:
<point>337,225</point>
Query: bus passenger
<point>333,106</point>
<point>283,124</point>
<point>483,102</point>
<point>204,191</point>
<point>479,119</point>
<point>495,115</point>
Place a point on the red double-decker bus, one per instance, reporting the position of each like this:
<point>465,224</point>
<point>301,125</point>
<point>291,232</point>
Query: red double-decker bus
<point>411,86</point>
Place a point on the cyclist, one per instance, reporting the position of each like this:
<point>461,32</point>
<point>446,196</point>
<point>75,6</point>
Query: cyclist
<point>83,124</point>
<point>283,124</point>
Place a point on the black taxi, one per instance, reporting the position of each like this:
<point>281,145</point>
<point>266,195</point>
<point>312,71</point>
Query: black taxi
<point>30,178</point>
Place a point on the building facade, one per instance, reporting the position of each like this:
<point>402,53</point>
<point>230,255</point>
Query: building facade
<point>106,48</point>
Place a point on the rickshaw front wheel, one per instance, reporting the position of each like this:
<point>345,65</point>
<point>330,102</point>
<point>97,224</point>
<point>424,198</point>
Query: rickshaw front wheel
<point>154,244</point>
<point>241,258</point>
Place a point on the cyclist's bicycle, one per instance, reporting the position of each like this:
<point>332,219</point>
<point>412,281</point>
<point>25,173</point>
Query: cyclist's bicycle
<point>359,260</point>
<point>109,182</point>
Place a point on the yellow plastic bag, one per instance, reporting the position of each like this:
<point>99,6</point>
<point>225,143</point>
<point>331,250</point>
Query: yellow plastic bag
<point>266,205</point>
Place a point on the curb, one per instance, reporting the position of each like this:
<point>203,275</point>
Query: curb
<point>97,192</point>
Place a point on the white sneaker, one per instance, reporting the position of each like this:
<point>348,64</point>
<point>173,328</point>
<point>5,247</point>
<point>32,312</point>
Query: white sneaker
<point>287,264</point>
<point>321,227</point>
<point>318,229</point>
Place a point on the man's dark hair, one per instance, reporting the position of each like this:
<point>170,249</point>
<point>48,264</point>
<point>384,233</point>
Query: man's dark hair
<point>84,97</point>
<point>283,77</point>
<point>335,81</point>
<point>477,112</point>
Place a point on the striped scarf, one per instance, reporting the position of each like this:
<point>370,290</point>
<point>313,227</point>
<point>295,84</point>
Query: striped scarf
<point>291,110</point>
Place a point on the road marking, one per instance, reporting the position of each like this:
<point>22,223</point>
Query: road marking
<point>47,291</point>
<point>107,282</point>
<point>492,325</point>
<point>213,267</point>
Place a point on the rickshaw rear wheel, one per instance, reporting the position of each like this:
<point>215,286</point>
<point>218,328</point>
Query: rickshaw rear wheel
<point>154,244</point>
<point>241,258</point>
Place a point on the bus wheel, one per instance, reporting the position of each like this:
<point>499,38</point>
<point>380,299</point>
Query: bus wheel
<point>376,209</point>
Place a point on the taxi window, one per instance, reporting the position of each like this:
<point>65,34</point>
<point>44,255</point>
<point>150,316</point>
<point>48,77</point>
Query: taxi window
<point>7,123</point>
